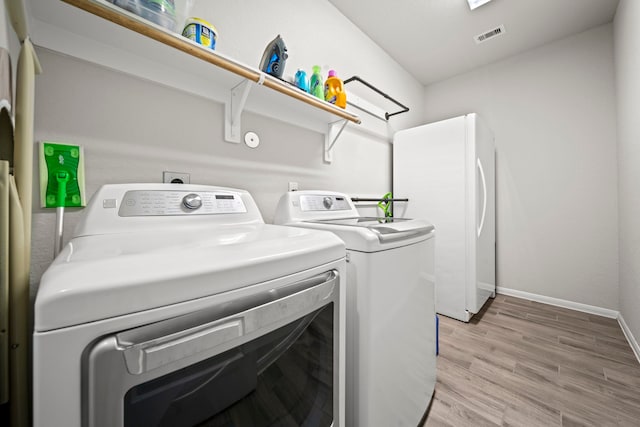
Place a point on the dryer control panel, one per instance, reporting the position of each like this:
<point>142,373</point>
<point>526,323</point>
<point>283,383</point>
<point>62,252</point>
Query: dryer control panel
<point>161,202</point>
<point>124,208</point>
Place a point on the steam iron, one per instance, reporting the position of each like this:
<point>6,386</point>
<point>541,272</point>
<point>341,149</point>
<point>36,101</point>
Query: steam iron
<point>274,57</point>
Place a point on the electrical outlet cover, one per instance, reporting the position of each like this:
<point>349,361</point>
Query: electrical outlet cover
<point>61,160</point>
<point>176,177</point>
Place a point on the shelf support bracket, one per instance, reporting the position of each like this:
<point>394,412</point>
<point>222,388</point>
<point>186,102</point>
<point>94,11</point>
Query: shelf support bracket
<point>330,139</point>
<point>233,111</point>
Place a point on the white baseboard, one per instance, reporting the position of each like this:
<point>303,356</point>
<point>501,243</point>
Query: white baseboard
<point>585,308</point>
<point>632,340</point>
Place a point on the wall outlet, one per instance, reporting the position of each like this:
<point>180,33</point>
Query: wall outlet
<point>175,177</point>
<point>293,186</point>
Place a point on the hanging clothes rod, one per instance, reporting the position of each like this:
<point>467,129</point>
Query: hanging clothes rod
<point>403,107</point>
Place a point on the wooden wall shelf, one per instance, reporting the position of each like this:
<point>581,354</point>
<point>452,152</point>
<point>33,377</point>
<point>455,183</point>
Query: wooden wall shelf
<point>141,26</point>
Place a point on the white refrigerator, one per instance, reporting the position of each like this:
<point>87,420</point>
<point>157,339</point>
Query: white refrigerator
<point>447,171</point>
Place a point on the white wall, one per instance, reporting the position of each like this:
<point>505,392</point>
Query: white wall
<point>627,60</point>
<point>552,110</point>
<point>133,129</point>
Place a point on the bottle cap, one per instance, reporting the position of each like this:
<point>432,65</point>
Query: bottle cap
<point>316,68</point>
<point>332,73</point>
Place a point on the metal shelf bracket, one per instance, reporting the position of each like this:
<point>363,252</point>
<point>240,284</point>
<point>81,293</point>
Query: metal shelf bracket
<point>331,137</point>
<point>233,111</point>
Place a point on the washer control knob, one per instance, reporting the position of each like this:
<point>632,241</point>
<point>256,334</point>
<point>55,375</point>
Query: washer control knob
<point>327,202</point>
<point>192,201</point>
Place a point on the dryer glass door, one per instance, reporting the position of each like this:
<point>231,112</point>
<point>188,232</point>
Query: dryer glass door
<point>272,365</point>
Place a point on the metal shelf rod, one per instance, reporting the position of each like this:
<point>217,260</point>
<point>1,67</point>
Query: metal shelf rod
<point>364,199</point>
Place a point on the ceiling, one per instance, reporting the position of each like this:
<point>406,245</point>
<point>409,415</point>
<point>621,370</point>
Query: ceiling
<point>434,39</point>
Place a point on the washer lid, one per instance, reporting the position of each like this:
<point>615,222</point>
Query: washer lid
<point>101,276</point>
<point>374,234</point>
<point>385,229</point>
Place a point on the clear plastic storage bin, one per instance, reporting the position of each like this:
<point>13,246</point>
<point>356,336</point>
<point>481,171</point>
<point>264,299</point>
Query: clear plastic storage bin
<point>169,14</point>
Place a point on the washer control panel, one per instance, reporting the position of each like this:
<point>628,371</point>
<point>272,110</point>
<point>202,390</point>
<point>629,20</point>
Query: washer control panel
<point>323,203</point>
<point>161,203</point>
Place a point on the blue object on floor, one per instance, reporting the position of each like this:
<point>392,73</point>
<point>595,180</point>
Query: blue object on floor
<point>437,335</point>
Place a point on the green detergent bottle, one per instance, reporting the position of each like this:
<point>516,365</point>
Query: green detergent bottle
<point>316,86</point>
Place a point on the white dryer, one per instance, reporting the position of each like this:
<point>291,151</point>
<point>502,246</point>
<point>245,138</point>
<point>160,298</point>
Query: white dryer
<point>391,342</point>
<point>175,305</point>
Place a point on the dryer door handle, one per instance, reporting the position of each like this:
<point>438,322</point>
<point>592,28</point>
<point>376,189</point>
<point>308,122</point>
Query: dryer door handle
<point>213,338</point>
<point>163,354</point>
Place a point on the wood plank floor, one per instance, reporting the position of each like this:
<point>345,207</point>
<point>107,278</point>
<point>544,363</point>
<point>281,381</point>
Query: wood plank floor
<point>523,363</point>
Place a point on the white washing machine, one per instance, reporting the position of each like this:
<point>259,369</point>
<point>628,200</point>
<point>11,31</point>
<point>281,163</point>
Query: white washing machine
<point>176,305</point>
<point>391,335</point>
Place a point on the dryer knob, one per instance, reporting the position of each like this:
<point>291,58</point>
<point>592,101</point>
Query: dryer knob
<point>192,201</point>
<point>327,202</point>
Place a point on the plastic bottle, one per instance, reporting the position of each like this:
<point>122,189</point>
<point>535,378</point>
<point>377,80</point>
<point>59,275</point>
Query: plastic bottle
<point>301,80</point>
<point>334,90</point>
<point>315,84</point>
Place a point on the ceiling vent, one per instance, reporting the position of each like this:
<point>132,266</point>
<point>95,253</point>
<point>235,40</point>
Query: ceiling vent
<point>495,32</point>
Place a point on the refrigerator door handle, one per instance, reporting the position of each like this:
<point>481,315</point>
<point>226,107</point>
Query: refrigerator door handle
<point>484,197</point>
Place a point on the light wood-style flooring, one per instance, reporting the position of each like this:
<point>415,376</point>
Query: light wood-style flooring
<point>523,363</point>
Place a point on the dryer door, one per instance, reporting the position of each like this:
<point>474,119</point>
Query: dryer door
<point>266,361</point>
